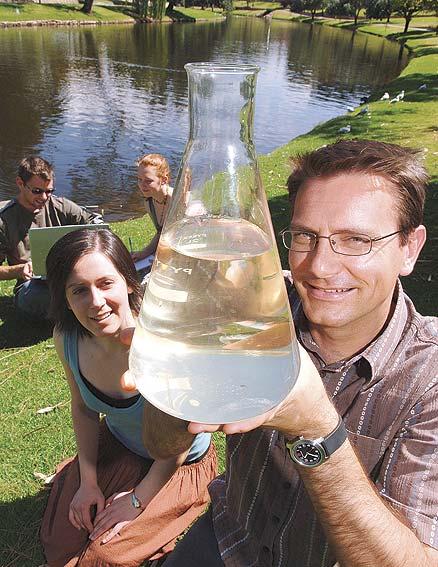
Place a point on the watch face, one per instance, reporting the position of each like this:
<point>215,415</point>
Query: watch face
<point>307,453</point>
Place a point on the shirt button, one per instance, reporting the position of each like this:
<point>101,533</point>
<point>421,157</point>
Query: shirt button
<point>266,549</point>
<point>287,485</point>
<point>275,519</point>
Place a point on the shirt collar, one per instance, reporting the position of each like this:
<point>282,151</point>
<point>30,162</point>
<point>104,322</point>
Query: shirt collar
<point>375,356</point>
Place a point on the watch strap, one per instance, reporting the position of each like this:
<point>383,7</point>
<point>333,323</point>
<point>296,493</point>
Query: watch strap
<point>334,439</point>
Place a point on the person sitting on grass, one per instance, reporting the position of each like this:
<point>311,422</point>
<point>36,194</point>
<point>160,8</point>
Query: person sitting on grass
<point>35,206</point>
<point>112,504</point>
<point>153,177</point>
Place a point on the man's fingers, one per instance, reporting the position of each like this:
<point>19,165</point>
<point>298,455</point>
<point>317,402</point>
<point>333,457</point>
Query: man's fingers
<point>196,428</point>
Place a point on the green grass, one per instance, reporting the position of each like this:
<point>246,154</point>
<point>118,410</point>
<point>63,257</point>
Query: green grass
<point>45,12</point>
<point>31,376</point>
<point>196,14</point>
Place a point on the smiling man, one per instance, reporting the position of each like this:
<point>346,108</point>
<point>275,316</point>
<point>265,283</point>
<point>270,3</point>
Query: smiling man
<point>34,206</point>
<point>345,470</point>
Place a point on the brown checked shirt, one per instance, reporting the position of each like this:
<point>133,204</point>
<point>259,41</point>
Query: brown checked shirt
<point>388,397</point>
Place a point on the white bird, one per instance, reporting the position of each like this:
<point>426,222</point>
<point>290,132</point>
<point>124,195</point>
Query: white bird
<point>350,108</point>
<point>364,110</point>
<point>422,87</point>
<point>385,96</point>
<point>345,129</point>
<point>398,98</point>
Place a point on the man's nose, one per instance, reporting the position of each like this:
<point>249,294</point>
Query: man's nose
<point>323,261</point>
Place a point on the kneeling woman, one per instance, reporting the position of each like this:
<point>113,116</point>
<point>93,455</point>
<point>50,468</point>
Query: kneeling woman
<point>112,504</point>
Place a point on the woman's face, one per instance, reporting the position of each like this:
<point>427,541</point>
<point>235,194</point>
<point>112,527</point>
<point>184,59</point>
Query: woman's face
<point>98,295</point>
<point>149,181</point>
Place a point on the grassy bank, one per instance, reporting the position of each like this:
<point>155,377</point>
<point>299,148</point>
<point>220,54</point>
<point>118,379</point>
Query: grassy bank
<point>61,13</point>
<point>31,376</point>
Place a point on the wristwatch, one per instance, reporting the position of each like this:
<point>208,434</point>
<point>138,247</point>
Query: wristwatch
<point>135,501</point>
<point>313,453</point>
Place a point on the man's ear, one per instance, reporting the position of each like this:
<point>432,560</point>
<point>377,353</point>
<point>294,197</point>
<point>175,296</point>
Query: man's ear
<point>19,182</point>
<point>412,249</point>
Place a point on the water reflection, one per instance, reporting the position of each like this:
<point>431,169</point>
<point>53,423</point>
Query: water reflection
<point>92,100</point>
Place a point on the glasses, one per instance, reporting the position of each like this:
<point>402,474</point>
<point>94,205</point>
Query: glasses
<point>345,243</point>
<point>37,191</point>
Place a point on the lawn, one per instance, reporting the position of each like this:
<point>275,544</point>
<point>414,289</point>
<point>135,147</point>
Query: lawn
<point>38,12</point>
<point>31,376</point>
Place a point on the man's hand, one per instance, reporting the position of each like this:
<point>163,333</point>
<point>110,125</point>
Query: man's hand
<point>24,271</point>
<point>306,410</point>
<point>118,513</point>
<point>80,506</point>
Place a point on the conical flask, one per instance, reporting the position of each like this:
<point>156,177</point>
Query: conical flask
<point>214,341</point>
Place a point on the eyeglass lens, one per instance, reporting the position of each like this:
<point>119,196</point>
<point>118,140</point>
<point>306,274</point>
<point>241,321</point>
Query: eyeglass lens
<point>342,242</point>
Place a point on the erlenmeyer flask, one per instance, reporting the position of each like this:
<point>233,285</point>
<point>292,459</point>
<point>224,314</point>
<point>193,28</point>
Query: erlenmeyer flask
<point>215,342</point>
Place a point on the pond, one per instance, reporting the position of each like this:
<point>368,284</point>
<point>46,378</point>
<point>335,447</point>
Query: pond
<point>93,99</point>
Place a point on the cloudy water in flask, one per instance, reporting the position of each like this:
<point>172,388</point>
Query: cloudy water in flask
<point>214,341</point>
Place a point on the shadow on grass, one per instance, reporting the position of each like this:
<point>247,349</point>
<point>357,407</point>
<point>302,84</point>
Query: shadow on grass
<point>17,330</point>
<point>176,16</point>
<point>19,531</point>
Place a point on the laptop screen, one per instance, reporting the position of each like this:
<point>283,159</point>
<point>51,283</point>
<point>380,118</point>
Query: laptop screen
<point>41,241</point>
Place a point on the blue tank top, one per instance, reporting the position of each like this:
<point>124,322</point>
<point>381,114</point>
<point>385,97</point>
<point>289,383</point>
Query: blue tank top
<point>125,423</point>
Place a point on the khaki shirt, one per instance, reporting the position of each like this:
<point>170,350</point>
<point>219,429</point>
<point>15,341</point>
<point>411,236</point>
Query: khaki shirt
<point>15,222</point>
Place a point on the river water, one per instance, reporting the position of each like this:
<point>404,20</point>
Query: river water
<point>92,99</point>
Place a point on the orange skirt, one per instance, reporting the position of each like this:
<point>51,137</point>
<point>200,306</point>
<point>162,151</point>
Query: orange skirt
<point>151,535</point>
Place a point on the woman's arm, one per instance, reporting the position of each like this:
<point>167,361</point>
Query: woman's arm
<point>86,428</point>
<point>167,440</point>
<point>120,511</point>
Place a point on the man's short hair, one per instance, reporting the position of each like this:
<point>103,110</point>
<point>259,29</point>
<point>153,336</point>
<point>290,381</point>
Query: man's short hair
<point>33,165</point>
<point>399,165</point>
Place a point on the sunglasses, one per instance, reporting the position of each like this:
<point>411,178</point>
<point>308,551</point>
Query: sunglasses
<point>37,191</point>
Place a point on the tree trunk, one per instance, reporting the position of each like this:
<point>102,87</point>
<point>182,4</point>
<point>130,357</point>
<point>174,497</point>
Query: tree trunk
<point>407,21</point>
<point>86,8</point>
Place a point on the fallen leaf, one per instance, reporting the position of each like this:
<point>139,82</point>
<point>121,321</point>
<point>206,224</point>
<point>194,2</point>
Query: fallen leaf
<point>46,478</point>
<point>48,409</point>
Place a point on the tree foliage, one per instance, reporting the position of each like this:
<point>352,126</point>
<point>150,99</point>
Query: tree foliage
<point>407,9</point>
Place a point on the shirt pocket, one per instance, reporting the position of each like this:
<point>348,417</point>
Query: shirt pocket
<point>368,449</point>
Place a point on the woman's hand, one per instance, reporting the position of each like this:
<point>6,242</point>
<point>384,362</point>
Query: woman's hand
<point>118,512</point>
<point>80,506</point>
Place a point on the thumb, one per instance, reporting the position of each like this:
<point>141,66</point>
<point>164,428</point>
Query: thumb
<point>127,381</point>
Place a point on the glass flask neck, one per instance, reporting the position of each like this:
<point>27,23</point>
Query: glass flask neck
<point>222,96</point>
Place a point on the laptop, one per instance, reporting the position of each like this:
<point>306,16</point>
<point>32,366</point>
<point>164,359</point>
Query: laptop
<point>42,239</point>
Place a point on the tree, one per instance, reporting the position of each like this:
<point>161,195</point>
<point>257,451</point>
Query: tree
<point>407,9</point>
<point>312,6</point>
<point>86,8</point>
<point>379,9</point>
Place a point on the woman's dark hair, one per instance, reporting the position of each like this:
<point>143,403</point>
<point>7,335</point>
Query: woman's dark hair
<point>63,257</point>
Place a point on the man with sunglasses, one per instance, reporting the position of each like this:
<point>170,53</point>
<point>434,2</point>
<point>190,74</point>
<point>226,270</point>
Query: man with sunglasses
<point>34,206</point>
<point>345,470</point>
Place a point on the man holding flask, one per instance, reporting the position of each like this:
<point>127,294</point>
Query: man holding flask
<point>345,469</point>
